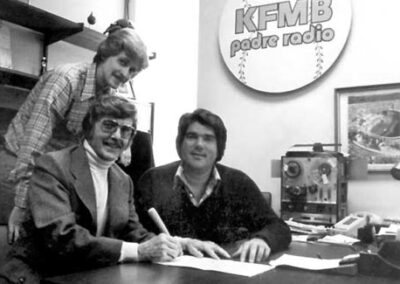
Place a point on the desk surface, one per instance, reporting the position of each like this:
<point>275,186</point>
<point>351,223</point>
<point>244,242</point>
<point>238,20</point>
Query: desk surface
<point>155,273</point>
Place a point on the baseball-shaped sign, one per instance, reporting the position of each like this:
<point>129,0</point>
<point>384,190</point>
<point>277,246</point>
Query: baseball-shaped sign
<point>278,47</point>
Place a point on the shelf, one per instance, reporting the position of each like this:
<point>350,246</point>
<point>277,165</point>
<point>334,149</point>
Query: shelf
<point>87,38</point>
<point>54,27</point>
<point>17,78</point>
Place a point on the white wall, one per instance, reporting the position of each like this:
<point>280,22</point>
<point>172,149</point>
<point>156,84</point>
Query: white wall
<point>262,127</point>
<point>169,28</point>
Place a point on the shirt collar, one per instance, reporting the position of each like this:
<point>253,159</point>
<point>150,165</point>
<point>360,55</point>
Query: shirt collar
<point>89,89</point>
<point>211,186</point>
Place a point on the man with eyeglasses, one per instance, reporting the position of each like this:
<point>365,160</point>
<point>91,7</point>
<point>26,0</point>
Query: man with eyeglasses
<point>81,208</point>
<point>51,116</point>
<point>201,199</point>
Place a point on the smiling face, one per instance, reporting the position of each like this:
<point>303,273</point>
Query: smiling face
<point>116,70</point>
<point>198,149</point>
<point>109,145</point>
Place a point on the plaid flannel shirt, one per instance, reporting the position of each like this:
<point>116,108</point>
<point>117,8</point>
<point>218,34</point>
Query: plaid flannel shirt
<point>49,119</point>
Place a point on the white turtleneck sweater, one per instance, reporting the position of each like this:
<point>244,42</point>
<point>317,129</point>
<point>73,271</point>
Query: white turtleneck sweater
<point>99,170</point>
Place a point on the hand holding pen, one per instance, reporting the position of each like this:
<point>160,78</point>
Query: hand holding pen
<point>162,247</point>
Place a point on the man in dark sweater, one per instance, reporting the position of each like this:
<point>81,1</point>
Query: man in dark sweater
<point>199,199</point>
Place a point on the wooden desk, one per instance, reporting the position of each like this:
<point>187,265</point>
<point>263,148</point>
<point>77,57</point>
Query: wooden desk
<point>154,273</point>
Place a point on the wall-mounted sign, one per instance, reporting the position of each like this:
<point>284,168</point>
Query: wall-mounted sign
<point>277,47</point>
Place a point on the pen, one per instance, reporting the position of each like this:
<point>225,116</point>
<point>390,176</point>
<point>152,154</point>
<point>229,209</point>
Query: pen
<point>157,219</point>
<point>160,224</point>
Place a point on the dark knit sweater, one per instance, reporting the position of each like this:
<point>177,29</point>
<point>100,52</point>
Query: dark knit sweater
<point>236,209</point>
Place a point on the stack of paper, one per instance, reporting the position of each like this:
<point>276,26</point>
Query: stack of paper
<point>391,230</point>
<point>300,238</point>
<point>301,228</point>
<point>339,239</point>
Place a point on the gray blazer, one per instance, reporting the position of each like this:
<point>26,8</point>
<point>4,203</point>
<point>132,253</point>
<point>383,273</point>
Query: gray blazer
<point>59,236</point>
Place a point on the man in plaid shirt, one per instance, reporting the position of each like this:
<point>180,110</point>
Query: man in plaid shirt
<point>51,117</point>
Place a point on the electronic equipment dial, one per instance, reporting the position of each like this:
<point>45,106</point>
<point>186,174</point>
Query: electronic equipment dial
<point>292,169</point>
<point>313,187</point>
<point>321,170</point>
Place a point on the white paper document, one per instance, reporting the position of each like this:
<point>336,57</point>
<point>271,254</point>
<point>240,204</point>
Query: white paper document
<point>391,230</point>
<point>222,265</point>
<point>309,263</point>
<point>339,239</point>
<point>300,238</point>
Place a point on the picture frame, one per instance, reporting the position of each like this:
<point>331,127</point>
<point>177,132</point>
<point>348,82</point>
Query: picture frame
<point>367,124</point>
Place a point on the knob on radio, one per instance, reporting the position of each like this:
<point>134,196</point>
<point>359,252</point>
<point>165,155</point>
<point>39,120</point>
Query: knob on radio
<point>292,169</point>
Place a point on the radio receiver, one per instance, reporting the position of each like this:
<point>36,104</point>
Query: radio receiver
<point>313,185</point>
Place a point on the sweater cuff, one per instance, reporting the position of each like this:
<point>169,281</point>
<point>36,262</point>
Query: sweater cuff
<point>129,252</point>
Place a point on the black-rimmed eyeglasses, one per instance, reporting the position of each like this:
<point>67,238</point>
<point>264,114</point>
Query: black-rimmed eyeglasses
<point>110,126</point>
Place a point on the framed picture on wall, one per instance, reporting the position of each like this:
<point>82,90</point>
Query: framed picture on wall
<point>367,122</point>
